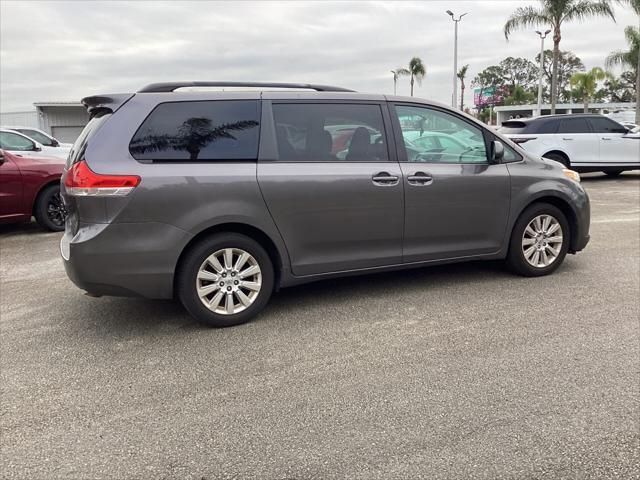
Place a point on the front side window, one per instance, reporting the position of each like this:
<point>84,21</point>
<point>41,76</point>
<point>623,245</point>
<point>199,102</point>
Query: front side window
<point>574,125</point>
<point>224,130</point>
<point>434,136</point>
<point>13,141</point>
<point>37,136</point>
<point>605,125</point>
<point>330,132</point>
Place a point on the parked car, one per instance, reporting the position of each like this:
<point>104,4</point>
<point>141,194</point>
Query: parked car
<point>40,136</point>
<point>20,144</point>
<point>632,127</point>
<point>220,198</point>
<point>583,142</point>
<point>30,187</point>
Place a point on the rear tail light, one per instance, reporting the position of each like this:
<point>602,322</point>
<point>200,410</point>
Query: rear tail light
<point>81,181</point>
<point>521,139</point>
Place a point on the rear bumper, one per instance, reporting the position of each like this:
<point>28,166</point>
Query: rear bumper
<point>124,259</point>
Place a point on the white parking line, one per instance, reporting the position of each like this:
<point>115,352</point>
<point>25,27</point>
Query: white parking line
<point>616,220</point>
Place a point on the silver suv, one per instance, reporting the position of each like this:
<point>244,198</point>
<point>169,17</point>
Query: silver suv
<point>219,198</point>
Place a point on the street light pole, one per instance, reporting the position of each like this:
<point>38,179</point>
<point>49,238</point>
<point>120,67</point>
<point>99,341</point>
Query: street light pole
<point>454,98</point>
<point>542,37</point>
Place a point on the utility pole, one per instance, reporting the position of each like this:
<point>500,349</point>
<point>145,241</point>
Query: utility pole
<point>454,98</point>
<point>542,37</point>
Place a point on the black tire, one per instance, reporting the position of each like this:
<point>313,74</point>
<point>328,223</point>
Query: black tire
<point>612,173</point>
<point>49,209</point>
<point>516,259</point>
<point>558,158</point>
<point>189,267</point>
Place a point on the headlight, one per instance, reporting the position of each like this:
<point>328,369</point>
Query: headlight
<point>573,175</point>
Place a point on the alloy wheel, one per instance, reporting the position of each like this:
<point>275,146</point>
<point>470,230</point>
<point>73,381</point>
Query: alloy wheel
<point>56,211</point>
<point>229,281</point>
<point>542,241</point>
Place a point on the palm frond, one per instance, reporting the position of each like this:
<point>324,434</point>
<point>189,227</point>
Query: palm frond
<point>583,9</point>
<point>525,17</point>
<point>615,58</point>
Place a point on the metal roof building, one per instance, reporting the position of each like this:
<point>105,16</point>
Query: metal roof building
<point>63,120</point>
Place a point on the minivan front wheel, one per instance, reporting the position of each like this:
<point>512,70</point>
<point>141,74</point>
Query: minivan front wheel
<point>539,241</point>
<point>225,280</point>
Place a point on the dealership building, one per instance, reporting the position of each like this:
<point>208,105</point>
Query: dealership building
<point>63,120</point>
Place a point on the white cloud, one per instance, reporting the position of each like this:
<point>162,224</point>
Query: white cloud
<point>66,50</point>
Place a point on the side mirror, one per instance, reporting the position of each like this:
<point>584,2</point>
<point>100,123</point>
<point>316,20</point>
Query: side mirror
<point>55,143</point>
<point>497,151</point>
<point>36,148</point>
<point>1,157</point>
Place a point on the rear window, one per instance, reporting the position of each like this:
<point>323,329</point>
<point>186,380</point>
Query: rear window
<point>203,131</point>
<point>512,126</point>
<point>80,146</point>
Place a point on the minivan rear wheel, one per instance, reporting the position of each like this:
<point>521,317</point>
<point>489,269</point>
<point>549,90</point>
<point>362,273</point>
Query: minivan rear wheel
<point>539,241</point>
<point>225,280</point>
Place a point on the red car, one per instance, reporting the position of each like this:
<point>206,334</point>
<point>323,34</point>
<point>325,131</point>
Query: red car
<point>30,186</point>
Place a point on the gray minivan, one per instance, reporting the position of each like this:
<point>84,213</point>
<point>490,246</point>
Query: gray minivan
<point>218,198</point>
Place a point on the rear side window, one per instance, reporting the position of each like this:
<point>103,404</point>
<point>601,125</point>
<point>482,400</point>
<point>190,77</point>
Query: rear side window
<point>550,126</point>
<point>80,146</point>
<point>330,132</point>
<point>207,131</point>
<point>605,125</point>
<point>574,125</point>
<point>37,136</point>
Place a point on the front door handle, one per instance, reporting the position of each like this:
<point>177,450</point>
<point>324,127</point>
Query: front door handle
<point>385,179</point>
<point>606,138</point>
<point>420,178</point>
<point>567,138</point>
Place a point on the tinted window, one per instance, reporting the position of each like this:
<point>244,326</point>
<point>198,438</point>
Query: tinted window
<point>80,146</point>
<point>457,140</point>
<point>199,131</point>
<point>330,132</point>
<point>512,126</point>
<point>510,155</point>
<point>549,126</point>
<point>574,125</point>
<point>13,141</point>
<point>605,125</point>
<point>37,136</point>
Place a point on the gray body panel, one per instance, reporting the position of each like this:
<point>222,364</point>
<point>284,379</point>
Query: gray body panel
<point>322,219</point>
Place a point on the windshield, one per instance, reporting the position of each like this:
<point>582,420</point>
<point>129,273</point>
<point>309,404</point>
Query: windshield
<point>37,136</point>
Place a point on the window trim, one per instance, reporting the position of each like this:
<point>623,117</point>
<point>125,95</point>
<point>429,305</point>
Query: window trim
<point>222,161</point>
<point>400,147</point>
<point>272,154</point>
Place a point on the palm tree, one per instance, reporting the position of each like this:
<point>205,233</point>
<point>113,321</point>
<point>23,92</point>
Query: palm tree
<point>585,84</point>
<point>397,73</point>
<point>554,13</point>
<point>417,71</point>
<point>461,74</point>
<point>630,57</point>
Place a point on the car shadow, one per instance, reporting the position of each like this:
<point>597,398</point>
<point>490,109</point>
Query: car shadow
<point>600,177</point>
<point>115,318</point>
<point>28,228</point>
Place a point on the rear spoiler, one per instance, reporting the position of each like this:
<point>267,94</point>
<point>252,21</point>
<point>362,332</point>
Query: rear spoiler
<point>110,102</point>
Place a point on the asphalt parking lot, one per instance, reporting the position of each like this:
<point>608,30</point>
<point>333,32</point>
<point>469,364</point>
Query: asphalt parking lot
<point>461,371</point>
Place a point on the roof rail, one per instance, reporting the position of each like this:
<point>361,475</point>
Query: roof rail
<point>171,86</point>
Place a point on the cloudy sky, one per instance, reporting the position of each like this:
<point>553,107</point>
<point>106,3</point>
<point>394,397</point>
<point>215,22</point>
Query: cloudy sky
<point>66,50</point>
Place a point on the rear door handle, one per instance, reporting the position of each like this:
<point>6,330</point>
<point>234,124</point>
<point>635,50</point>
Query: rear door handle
<point>567,138</point>
<point>420,178</point>
<point>385,179</point>
<point>606,138</point>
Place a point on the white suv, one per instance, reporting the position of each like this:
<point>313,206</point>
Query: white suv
<point>25,146</point>
<point>584,142</point>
